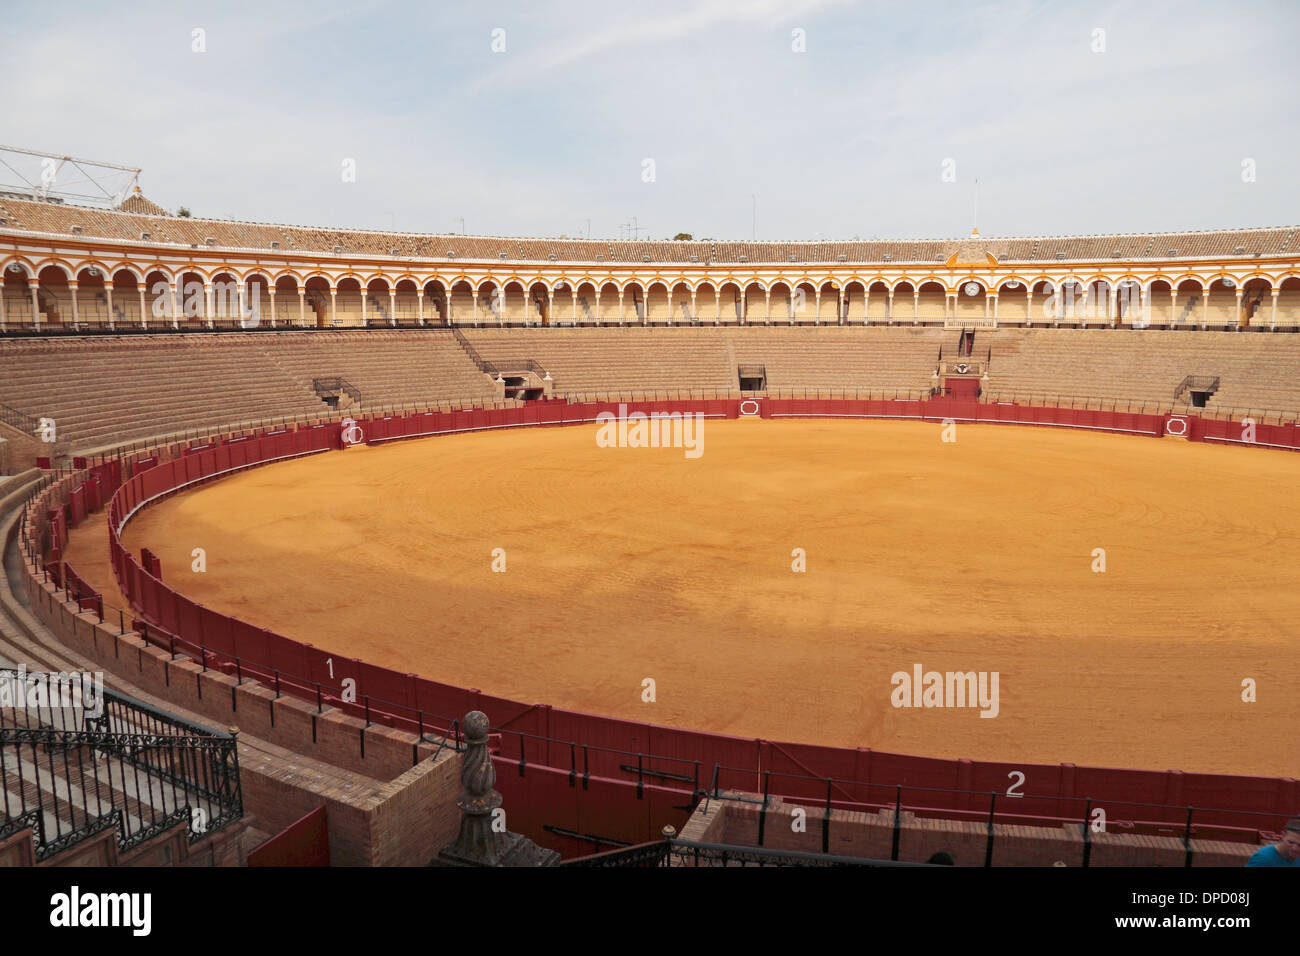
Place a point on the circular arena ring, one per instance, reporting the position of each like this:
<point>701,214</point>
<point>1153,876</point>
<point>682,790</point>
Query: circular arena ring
<point>1025,607</point>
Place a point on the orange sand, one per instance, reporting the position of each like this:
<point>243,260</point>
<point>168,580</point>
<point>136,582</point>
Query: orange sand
<point>624,564</point>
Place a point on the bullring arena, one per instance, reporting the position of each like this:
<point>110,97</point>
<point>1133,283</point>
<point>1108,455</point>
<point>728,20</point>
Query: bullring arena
<point>974,554</point>
<point>375,498</point>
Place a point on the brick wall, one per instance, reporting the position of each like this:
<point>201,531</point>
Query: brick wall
<point>406,821</point>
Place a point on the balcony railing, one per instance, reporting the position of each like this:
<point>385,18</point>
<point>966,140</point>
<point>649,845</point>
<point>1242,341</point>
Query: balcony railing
<point>76,759</point>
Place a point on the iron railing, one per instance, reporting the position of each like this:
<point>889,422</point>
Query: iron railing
<point>482,364</point>
<point>688,853</point>
<point>128,325</point>
<point>336,384</point>
<point>528,365</point>
<point>19,420</point>
<point>75,764</point>
<point>1199,383</point>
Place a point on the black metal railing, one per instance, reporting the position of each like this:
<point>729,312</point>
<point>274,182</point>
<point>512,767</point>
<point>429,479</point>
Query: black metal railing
<point>76,759</point>
<point>325,387</point>
<point>1199,383</point>
<point>483,364</point>
<point>19,420</point>
<point>688,853</point>
<point>533,366</point>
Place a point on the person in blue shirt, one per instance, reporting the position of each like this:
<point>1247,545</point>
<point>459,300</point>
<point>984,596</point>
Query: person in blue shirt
<point>1283,853</point>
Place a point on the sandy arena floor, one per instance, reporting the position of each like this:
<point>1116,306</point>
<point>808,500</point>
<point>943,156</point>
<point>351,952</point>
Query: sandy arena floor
<point>623,564</point>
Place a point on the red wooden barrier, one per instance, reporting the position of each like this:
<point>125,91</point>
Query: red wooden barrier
<point>305,842</point>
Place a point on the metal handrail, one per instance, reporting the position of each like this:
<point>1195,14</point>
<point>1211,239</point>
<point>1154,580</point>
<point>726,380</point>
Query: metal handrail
<point>336,384</point>
<point>19,419</point>
<point>195,768</point>
<point>1208,383</point>
<point>483,364</point>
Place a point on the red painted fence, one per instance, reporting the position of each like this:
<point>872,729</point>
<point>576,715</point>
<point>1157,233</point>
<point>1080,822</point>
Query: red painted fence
<point>305,842</point>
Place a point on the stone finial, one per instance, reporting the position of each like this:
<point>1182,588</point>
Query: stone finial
<point>483,839</point>
<point>477,774</point>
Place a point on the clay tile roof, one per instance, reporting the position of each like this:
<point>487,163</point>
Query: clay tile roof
<point>138,203</point>
<point>138,215</point>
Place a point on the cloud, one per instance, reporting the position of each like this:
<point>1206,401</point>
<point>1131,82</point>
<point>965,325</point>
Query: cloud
<point>844,139</point>
<point>657,27</point>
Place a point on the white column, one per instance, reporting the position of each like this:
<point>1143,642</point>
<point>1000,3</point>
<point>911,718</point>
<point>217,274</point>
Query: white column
<point>302,306</point>
<point>334,312</point>
<point>34,285</point>
<point>1029,305</point>
<point>270,291</point>
<point>693,295</point>
<point>574,293</point>
<point>767,306</point>
<point>144,316</point>
<point>620,307</point>
<point>76,315</point>
<point>2,302</point>
<point>209,305</point>
<point>1272,322</point>
<point>987,305</point>
<point>392,305</point>
<point>1173,306</point>
<point>866,305</point>
<point>419,304</point>
<point>817,307</point>
<point>916,307</point>
<point>243,301</point>
<point>995,310</point>
<point>550,306</point>
<point>449,311</point>
<point>1205,306</point>
<point>889,307</point>
<point>365,294</point>
<point>176,291</point>
<point>1239,315</point>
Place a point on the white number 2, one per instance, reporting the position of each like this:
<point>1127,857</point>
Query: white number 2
<point>1011,790</point>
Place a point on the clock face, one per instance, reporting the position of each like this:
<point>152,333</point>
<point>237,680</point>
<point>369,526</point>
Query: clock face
<point>972,288</point>
<point>1013,284</point>
<point>1229,283</point>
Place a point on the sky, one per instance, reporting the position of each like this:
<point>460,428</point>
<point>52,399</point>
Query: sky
<point>724,119</point>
